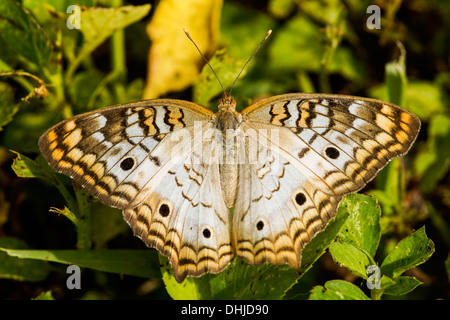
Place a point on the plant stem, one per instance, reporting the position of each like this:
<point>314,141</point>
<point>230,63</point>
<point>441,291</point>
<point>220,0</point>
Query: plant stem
<point>84,220</point>
<point>118,59</point>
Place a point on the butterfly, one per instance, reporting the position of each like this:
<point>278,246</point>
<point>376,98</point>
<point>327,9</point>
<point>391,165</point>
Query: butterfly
<point>176,169</point>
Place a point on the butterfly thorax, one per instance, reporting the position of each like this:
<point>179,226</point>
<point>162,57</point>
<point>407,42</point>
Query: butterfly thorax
<point>227,122</point>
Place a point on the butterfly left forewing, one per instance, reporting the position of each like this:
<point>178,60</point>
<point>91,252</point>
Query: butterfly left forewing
<point>115,152</point>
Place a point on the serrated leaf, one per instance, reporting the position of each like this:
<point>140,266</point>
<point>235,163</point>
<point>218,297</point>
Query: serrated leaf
<point>337,290</point>
<point>362,228</point>
<point>350,257</point>
<point>402,285</point>
<point>314,249</point>
<point>408,253</point>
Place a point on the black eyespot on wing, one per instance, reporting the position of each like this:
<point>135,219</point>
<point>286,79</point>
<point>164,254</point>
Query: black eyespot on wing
<point>260,225</point>
<point>332,152</point>
<point>300,198</point>
<point>206,233</point>
<point>127,164</point>
<point>164,210</point>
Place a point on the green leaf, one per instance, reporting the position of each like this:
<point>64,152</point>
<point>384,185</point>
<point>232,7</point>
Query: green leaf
<point>337,290</point>
<point>281,8</point>
<point>349,256</point>
<point>97,24</point>
<point>326,12</point>
<point>402,285</point>
<point>423,98</point>
<point>434,162</point>
<point>22,34</point>
<point>300,46</point>
<point>391,187</point>
<point>85,84</point>
<point>207,86</point>
<point>27,168</point>
<point>408,253</point>
<point>140,263</point>
<point>18,269</point>
<point>190,289</point>
<point>314,249</point>
<point>362,228</point>
<point>395,78</point>
<point>40,8</point>
<point>237,28</point>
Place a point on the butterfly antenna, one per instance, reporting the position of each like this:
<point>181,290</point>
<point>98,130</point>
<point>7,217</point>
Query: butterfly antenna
<point>204,58</point>
<point>256,50</point>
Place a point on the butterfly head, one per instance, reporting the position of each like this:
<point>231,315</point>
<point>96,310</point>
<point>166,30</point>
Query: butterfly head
<point>227,103</point>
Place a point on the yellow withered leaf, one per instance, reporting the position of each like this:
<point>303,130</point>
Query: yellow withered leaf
<point>174,63</point>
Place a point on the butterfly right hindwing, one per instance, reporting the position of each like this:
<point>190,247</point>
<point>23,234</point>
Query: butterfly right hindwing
<point>278,209</point>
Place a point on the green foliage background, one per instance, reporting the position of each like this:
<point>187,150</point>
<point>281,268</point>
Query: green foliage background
<point>48,73</point>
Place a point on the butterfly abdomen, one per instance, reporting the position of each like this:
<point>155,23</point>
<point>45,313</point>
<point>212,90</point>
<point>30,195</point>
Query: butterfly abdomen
<point>227,122</point>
